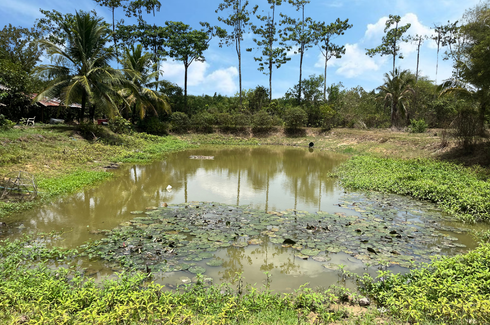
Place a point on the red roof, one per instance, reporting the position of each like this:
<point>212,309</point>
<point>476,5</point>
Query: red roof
<point>53,102</point>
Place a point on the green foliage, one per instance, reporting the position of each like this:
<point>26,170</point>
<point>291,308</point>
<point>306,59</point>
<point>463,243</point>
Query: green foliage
<point>241,121</point>
<point>203,122</point>
<point>153,125</point>
<point>36,291</point>
<point>324,36</point>
<point>390,41</point>
<point>5,124</point>
<point>82,73</point>
<point>120,125</point>
<point>295,118</point>
<point>70,182</point>
<point>417,126</point>
<point>271,55</point>
<point>448,290</point>
<point>458,190</point>
<point>262,122</point>
<point>396,92</point>
<point>224,121</point>
<point>19,46</point>
<point>180,122</point>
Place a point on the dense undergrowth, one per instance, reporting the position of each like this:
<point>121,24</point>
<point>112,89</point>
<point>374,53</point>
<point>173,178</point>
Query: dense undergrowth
<point>32,293</point>
<point>449,290</point>
<point>461,191</point>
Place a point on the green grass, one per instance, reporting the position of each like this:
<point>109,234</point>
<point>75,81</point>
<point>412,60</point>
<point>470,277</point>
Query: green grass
<point>449,290</point>
<point>62,162</point>
<point>459,190</point>
<point>32,292</point>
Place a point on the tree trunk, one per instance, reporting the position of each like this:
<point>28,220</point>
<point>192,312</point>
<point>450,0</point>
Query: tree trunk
<point>185,88</point>
<point>418,56</point>
<point>238,50</point>
<point>92,112</point>
<point>82,110</point>
<point>325,80</point>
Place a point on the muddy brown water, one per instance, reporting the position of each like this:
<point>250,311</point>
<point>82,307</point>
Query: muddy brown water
<point>264,178</point>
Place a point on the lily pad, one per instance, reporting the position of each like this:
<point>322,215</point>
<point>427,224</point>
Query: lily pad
<point>197,269</point>
<point>214,262</point>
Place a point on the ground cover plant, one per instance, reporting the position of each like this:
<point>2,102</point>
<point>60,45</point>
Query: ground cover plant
<point>33,292</point>
<point>178,237</point>
<point>449,290</point>
<point>460,191</point>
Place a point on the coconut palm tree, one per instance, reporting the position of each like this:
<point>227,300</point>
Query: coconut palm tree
<point>137,68</point>
<point>80,69</point>
<point>396,91</point>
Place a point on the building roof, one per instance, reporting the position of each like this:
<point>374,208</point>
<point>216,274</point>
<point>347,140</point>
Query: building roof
<point>53,102</point>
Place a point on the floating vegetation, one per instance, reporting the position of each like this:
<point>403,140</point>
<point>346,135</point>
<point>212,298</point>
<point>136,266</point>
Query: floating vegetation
<point>382,230</point>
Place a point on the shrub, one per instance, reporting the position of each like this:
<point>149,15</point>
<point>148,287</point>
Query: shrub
<point>120,125</point>
<point>262,122</point>
<point>203,122</point>
<point>154,126</point>
<point>295,117</point>
<point>180,122</point>
<point>241,121</point>
<point>224,121</point>
<point>417,126</point>
<point>5,124</point>
<point>90,131</point>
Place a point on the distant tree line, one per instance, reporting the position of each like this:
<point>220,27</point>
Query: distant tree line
<point>82,71</point>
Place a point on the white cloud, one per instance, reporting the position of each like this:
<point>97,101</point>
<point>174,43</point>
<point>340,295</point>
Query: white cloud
<point>223,80</point>
<point>353,63</point>
<point>199,79</point>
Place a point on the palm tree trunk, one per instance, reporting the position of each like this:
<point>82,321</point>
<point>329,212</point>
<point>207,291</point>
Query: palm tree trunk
<point>82,110</point>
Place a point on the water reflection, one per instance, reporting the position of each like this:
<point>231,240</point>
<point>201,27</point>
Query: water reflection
<point>266,178</point>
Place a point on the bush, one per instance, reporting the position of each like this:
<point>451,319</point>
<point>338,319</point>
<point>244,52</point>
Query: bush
<point>154,126</point>
<point>90,131</point>
<point>224,121</point>
<point>180,122</point>
<point>295,117</point>
<point>241,121</point>
<point>203,122</point>
<point>262,122</point>
<point>5,124</point>
<point>120,125</point>
<point>417,126</point>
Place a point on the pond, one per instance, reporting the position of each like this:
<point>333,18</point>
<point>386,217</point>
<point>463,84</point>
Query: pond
<point>293,221</point>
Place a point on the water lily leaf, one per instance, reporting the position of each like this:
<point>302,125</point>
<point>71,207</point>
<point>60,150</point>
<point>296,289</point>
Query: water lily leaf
<point>310,252</point>
<point>214,262</point>
<point>197,269</point>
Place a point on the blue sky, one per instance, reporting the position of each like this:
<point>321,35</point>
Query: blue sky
<point>219,73</point>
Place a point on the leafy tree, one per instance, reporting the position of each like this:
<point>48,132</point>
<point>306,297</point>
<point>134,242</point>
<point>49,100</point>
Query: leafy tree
<point>471,57</point>
<point>267,33</point>
<point>443,38</point>
<point>188,45</point>
<point>258,98</point>
<point>136,7</point>
<point>390,42</point>
<point>138,67</point>
<point>80,69</point>
<point>324,36</point>
<point>395,91</point>
<point>15,84</point>
<point>238,20</point>
<point>300,32</point>
<point>19,46</point>
<point>113,4</point>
